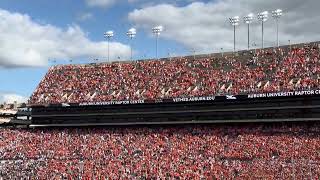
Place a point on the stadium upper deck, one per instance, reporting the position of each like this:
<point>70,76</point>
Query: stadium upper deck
<point>294,68</point>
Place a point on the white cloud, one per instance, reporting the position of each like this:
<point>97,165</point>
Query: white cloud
<point>109,3</point>
<point>24,42</point>
<point>84,16</point>
<point>205,26</point>
<point>12,97</point>
<point>100,3</point>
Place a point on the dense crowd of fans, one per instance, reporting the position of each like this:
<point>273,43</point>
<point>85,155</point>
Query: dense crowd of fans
<point>244,151</point>
<point>268,70</point>
<point>251,151</point>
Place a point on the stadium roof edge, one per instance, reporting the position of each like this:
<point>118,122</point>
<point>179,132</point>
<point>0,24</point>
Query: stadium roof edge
<point>218,54</point>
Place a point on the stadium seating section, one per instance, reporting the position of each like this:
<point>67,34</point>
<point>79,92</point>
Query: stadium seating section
<point>268,70</point>
<point>250,151</point>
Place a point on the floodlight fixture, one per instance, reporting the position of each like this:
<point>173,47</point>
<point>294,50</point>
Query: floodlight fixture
<point>263,17</point>
<point>276,14</point>
<point>108,35</point>
<point>248,20</point>
<point>131,34</point>
<point>234,21</point>
<point>157,31</point>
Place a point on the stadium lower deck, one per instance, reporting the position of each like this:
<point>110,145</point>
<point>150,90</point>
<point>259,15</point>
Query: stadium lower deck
<point>235,151</point>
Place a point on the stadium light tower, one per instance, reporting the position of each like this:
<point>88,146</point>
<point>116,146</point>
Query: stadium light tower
<point>263,17</point>
<point>276,14</point>
<point>248,20</point>
<point>108,35</point>
<point>131,34</point>
<point>156,31</point>
<point>234,22</point>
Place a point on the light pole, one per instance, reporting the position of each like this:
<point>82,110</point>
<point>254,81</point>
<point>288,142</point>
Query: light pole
<point>276,14</point>
<point>169,55</point>
<point>108,35</point>
<point>234,22</point>
<point>254,46</point>
<point>221,52</point>
<point>289,44</point>
<point>263,17</point>
<point>131,34</point>
<point>194,53</point>
<point>156,31</point>
<point>248,20</point>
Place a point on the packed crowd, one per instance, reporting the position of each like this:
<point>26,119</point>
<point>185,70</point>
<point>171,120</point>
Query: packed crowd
<point>268,70</point>
<point>256,151</point>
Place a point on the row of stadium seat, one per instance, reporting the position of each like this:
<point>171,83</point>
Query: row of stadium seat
<point>267,70</point>
<point>256,151</point>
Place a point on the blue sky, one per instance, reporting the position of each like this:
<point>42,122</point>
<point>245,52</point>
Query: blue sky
<point>33,31</point>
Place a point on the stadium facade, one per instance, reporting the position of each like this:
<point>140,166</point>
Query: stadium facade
<point>220,109</point>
